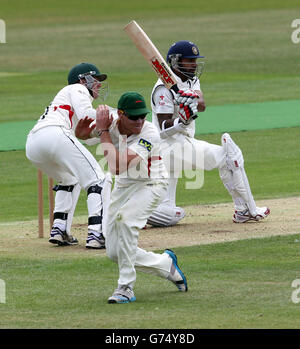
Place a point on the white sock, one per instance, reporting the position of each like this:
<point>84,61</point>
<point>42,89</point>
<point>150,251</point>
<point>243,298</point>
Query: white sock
<point>60,223</point>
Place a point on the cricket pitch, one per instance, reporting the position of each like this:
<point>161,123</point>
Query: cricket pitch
<point>203,224</point>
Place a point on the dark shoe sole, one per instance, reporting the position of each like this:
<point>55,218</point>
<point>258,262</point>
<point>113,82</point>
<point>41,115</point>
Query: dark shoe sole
<point>62,243</point>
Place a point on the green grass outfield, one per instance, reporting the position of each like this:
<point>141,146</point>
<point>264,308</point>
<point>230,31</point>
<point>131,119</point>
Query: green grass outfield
<point>234,285</point>
<point>250,58</point>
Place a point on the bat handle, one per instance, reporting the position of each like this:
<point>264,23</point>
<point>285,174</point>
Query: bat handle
<point>175,88</point>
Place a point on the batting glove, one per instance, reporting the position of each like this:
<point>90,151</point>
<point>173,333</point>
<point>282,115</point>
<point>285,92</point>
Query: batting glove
<point>185,97</point>
<point>187,100</point>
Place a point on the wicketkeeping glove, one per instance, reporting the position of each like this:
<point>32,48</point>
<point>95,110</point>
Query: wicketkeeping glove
<point>188,105</point>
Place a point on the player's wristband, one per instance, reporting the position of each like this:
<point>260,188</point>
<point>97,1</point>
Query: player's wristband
<point>96,133</point>
<point>178,127</point>
<point>163,125</point>
<point>101,131</point>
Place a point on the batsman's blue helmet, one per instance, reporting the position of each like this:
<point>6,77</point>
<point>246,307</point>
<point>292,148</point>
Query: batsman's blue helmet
<point>183,49</point>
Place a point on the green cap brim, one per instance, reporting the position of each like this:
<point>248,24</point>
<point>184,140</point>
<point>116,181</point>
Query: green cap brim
<point>135,112</point>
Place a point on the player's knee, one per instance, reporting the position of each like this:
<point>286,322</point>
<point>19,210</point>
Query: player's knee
<point>129,221</point>
<point>166,216</point>
<point>123,219</point>
<point>94,189</point>
<point>234,155</point>
<point>63,197</point>
<point>226,178</point>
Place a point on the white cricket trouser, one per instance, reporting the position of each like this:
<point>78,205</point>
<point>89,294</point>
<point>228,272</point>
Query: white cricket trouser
<point>185,153</point>
<point>182,154</point>
<point>62,157</point>
<point>129,210</point>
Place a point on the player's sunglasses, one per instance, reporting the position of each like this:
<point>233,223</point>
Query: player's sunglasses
<point>135,117</point>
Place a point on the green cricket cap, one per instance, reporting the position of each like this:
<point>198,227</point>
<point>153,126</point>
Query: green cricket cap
<point>82,69</point>
<point>133,104</point>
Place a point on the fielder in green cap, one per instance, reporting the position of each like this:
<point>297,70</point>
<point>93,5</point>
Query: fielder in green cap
<point>132,148</point>
<point>133,104</point>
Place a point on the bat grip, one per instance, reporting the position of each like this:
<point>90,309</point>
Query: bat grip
<point>175,88</point>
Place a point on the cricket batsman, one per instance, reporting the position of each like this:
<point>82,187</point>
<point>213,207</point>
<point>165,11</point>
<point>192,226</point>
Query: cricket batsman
<point>174,117</point>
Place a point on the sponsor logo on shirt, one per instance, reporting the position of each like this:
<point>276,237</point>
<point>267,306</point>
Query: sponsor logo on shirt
<point>145,144</point>
<point>161,100</point>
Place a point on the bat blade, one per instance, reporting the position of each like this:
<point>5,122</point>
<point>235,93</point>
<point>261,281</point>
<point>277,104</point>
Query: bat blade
<point>151,54</point>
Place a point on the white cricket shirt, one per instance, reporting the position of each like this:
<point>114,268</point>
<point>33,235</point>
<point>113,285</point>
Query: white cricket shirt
<point>162,101</point>
<point>147,145</point>
<point>71,103</point>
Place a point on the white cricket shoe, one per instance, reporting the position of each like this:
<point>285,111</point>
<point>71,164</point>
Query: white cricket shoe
<point>245,216</point>
<point>122,294</point>
<point>61,238</point>
<point>176,275</point>
<point>95,241</point>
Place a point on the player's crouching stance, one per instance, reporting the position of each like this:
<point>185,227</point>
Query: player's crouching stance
<point>131,146</point>
<point>52,147</point>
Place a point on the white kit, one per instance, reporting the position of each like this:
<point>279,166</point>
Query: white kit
<point>52,147</point>
<point>197,154</point>
<point>135,195</point>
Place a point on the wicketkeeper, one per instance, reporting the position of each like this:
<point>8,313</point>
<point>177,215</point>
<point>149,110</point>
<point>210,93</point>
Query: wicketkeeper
<point>52,147</point>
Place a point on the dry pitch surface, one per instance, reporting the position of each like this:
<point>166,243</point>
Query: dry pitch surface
<point>203,224</point>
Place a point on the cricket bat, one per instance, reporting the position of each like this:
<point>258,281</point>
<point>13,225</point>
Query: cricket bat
<point>152,55</point>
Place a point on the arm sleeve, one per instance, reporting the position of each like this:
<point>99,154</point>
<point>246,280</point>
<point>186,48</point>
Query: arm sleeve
<point>196,85</point>
<point>81,102</point>
<point>163,101</point>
